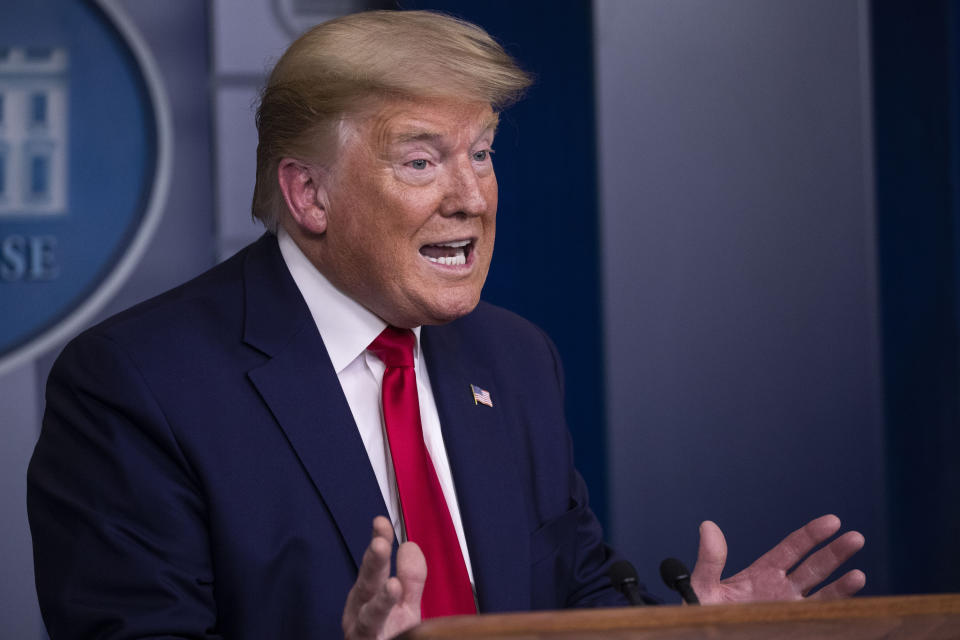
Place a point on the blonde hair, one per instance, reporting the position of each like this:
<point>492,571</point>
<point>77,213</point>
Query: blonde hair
<point>328,72</point>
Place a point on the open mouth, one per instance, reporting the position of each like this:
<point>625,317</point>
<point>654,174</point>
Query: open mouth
<point>453,253</point>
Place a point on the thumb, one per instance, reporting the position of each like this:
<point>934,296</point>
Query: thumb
<point>711,557</point>
<point>412,573</point>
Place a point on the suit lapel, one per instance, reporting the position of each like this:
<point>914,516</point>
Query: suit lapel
<point>299,385</point>
<point>484,473</point>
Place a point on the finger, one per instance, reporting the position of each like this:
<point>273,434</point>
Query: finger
<point>795,546</point>
<point>411,573</point>
<point>843,587</point>
<point>383,529</point>
<point>373,614</point>
<point>821,564</point>
<point>711,557</point>
<point>374,568</point>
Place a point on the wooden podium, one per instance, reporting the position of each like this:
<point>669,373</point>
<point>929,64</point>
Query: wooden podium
<point>903,617</point>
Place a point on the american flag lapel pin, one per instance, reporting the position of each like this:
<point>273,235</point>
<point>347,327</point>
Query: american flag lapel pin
<point>481,396</point>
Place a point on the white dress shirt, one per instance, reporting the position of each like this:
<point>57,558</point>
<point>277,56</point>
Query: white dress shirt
<point>347,329</point>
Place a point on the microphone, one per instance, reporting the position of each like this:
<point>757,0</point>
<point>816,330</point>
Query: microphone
<point>676,576</point>
<point>624,579</point>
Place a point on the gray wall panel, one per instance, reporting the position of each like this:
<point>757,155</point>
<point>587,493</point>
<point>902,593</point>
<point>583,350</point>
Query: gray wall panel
<point>19,408</point>
<point>236,158</point>
<point>739,271</point>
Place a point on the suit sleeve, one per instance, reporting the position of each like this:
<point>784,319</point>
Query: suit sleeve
<point>121,548</point>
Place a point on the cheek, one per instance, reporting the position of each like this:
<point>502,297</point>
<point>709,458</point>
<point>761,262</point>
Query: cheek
<point>369,217</point>
<point>409,208</point>
<point>491,194</point>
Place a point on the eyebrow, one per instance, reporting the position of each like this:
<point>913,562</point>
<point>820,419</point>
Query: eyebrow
<point>415,136</point>
<point>426,135</point>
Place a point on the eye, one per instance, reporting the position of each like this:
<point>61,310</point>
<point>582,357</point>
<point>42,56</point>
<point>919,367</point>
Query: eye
<point>481,156</point>
<point>419,164</point>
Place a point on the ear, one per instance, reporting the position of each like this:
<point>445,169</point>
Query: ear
<point>304,194</point>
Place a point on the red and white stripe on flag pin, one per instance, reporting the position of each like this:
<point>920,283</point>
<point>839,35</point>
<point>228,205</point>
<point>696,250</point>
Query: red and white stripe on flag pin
<point>481,396</point>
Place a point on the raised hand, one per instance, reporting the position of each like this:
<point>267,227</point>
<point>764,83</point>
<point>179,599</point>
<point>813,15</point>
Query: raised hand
<point>776,574</point>
<point>379,606</point>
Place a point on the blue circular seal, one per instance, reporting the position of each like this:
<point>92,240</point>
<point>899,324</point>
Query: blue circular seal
<point>84,166</point>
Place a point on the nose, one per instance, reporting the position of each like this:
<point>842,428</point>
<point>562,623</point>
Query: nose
<point>465,191</point>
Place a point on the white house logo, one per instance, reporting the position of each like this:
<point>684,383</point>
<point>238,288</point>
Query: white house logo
<point>33,131</point>
<point>84,166</point>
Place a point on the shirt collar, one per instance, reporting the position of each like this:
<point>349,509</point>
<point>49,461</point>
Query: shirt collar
<point>346,326</point>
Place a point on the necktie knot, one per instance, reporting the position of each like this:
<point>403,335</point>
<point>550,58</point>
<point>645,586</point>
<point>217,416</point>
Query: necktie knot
<point>394,347</point>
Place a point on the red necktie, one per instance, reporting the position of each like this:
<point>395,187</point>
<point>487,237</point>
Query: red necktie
<point>425,513</point>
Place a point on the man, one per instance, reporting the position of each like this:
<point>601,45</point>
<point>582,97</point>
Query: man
<point>211,460</point>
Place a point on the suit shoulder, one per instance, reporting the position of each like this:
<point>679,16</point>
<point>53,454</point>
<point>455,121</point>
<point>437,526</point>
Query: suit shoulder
<point>500,319</point>
<point>489,319</point>
<point>213,299</point>
<point>497,336</point>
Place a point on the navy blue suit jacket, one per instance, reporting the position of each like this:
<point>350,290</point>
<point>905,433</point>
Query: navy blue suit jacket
<point>199,473</point>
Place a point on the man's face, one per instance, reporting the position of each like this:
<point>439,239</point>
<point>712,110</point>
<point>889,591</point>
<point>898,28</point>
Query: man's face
<point>411,204</point>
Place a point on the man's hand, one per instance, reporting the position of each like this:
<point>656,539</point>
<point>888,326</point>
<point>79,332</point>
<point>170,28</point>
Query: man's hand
<point>378,606</point>
<point>770,577</point>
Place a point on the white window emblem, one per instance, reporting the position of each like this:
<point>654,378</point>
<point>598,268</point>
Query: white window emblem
<point>33,131</point>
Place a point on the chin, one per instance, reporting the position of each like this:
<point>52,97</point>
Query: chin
<point>452,309</point>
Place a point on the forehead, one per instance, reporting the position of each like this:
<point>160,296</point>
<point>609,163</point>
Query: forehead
<point>446,122</point>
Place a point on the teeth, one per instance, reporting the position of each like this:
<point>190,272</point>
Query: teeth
<point>458,259</point>
<point>456,245</point>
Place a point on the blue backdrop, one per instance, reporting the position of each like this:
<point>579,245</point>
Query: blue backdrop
<point>916,55</point>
